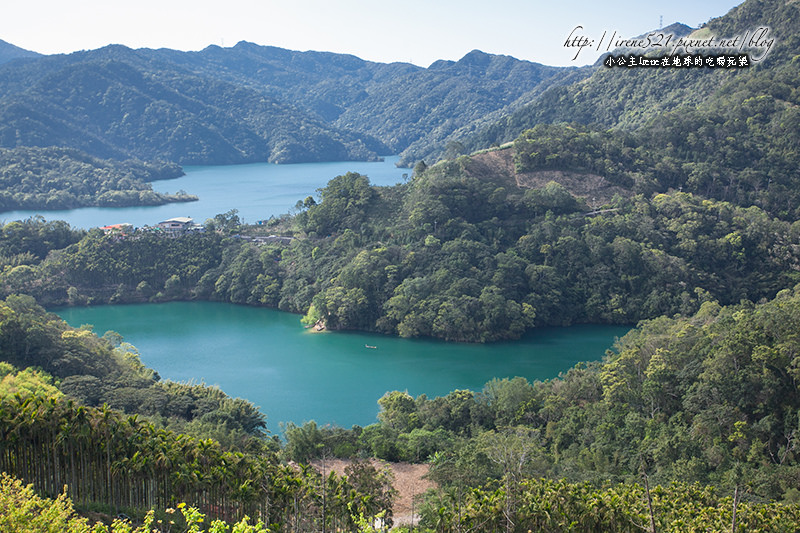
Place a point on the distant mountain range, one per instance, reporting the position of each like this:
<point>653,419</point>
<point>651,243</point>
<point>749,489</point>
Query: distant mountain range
<point>253,103</point>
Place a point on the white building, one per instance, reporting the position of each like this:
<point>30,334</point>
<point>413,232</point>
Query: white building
<point>178,226</point>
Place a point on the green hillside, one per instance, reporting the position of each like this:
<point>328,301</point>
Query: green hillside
<point>114,103</point>
<point>61,178</point>
<point>664,198</point>
<point>630,99</point>
<point>434,258</point>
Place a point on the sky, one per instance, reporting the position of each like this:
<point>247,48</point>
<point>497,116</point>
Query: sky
<point>413,31</point>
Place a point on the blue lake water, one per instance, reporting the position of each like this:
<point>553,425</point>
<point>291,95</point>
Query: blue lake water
<point>257,190</point>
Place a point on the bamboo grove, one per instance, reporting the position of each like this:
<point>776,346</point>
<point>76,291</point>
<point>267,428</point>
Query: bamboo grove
<point>123,463</point>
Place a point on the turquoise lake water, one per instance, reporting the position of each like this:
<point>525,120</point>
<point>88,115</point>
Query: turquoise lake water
<point>296,375</point>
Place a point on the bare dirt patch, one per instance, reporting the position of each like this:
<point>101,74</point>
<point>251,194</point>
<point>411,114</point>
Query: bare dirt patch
<point>499,165</point>
<point>408,481</point>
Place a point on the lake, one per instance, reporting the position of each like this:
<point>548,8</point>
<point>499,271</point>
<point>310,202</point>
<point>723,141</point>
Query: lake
<point>296,375</point>
<point>265,355</point>
<point>257,190</point>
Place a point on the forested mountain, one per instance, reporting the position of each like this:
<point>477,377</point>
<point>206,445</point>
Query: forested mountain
<point>421,109</point>
<point>404,106</point>
<point>454,254</point>
<point>116,102</point>
<point>630,99</point>
<point>251,103</point>
<point>663,197</point>
<point>257,103</point>
<point>324,83</point>
<point>705,398</point>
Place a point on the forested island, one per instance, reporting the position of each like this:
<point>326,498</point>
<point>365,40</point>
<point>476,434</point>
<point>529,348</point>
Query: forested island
<point>663,198</point>
<point>61,178</point>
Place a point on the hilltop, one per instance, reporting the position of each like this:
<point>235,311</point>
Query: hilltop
<point>9,52</point>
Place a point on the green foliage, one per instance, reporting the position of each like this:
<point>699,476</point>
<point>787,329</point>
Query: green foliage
<point>27,242</point>
<point>708,150</point>
<point>377,482</point>
<point>683,117</point>
<point>116,462</point>
<point>225,223</point>
<point>22,510</point>
<point>253,103</point>
<point>60,178</point>
<point>462,253</point>
<point>398,411</point>
<point>303,443</point>
<point>95,371</point>
<point>311,442</point>
<point>417,111</point>
<point>710,399</point>
<point>344,201</point>
<point>545,505</point>
<point>705,224</point>
<point>25,383</point>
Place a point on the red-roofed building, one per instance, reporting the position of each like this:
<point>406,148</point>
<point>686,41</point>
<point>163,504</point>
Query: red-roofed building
<point>121,229</point>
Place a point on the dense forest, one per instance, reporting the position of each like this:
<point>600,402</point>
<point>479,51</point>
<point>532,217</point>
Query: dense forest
<point>61,178</point>
<point>709,399</point>
<point>99,371</point>
<point>84,412</point>
<point>126,463</point>
<point>119,103</point>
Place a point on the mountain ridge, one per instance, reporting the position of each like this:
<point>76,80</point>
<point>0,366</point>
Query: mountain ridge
<point>252,103</point>
<point>10,52</point>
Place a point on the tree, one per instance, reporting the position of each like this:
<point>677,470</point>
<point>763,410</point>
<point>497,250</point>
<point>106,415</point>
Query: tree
<point>513,449</point>
<point>344,202</point>
<point>398,411</point>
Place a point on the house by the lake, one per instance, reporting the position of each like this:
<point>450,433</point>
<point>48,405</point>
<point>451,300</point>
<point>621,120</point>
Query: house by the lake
<point>179,225</point>
<point>118,229</point>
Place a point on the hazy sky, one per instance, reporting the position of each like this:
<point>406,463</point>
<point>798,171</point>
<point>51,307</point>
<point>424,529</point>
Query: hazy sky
<point>414,31</point>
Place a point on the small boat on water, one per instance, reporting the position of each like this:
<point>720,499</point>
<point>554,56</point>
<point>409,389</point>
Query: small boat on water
<point>368,346</point>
